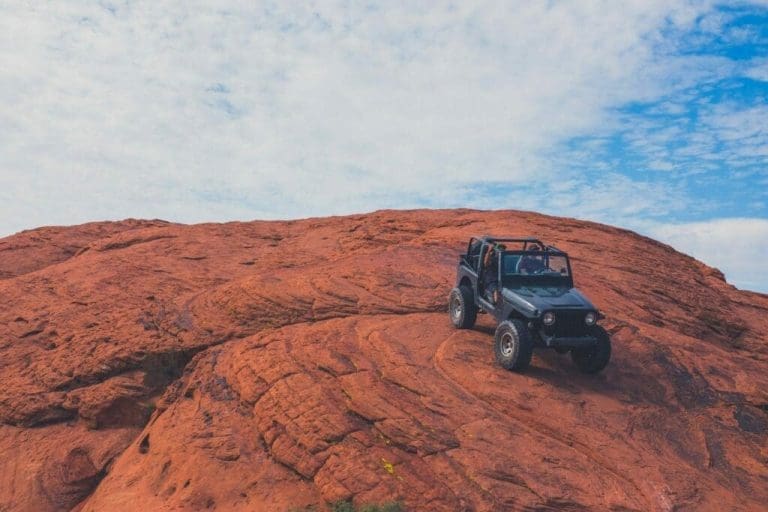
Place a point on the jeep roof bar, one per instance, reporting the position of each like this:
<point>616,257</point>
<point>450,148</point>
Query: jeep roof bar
<point>494,239</point>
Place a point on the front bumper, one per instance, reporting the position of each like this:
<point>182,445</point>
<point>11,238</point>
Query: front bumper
<point>567,341</point>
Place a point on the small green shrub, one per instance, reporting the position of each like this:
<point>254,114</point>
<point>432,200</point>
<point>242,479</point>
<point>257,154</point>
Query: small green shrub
<point>346,506</point>
<point>341,506</point>
<point>386,507</point>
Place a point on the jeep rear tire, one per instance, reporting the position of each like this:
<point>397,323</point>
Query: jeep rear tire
<point>596,357</point>
<point>462,308</point>
<point>513,345</point>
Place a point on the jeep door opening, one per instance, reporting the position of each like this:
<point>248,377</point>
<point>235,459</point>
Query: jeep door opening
<point>529,291</point>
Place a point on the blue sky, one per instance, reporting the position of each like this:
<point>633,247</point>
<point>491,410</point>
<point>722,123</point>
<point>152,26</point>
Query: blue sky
<point>649,115</point>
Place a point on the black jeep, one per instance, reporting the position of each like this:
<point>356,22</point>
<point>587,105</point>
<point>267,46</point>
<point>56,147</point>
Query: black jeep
<point>528,288</point>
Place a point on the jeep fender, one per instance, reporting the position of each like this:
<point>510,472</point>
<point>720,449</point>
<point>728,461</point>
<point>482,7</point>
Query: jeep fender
<point>513,302</point>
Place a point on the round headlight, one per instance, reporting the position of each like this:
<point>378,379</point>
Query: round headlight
<point>548,318</point>
<point>590,318</point>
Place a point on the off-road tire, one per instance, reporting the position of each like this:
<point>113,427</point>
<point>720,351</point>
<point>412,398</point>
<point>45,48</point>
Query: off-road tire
<point>596,357</point>
<point>513,345</point>
<point>462,308</point>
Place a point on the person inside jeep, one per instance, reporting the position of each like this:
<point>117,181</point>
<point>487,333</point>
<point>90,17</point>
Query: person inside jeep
<point>491,272</point>
<point>531,264</point>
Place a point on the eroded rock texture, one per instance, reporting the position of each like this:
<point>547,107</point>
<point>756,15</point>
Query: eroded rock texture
<point>269,366</point>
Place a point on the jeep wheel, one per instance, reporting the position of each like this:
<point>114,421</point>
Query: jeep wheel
<point>462,308</point>
<point>513,345</point>
<point>596,357</point>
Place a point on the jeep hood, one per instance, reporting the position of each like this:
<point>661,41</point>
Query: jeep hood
<point>547,297</point>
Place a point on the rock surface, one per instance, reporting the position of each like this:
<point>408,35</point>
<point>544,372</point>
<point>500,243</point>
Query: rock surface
<point>271,366</point>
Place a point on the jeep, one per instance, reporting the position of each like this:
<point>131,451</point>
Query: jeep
<point>527,287</point>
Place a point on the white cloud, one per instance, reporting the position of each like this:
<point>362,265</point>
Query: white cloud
<point>758,70</point>
<point>737,246</point>
<point>203,111</point>
<point>612,198</point>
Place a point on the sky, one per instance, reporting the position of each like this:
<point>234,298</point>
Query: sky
<point>649,115</point>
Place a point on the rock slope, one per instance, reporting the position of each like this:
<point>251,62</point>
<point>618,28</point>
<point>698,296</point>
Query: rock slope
<point>275,366</point>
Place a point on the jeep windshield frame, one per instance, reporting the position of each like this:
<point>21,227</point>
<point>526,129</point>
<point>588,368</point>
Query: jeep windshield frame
<point>522,268</point>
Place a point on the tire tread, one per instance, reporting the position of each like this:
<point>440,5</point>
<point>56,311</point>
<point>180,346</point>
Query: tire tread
<point>522,359</point>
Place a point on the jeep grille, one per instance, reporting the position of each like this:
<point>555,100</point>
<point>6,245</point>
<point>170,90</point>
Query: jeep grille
<point>568,323</point>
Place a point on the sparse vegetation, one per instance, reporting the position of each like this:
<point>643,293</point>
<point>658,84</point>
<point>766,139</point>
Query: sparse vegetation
<point>347,506</point>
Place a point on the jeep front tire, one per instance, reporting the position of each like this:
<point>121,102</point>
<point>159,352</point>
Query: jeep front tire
<point>462,308</point>
<point>513,345</point>
<point>596,357</point>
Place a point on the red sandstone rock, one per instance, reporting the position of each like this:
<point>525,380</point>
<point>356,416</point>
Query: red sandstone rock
<point>277,365</point>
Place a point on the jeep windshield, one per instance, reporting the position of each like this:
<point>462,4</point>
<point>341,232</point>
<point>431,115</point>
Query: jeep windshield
<point>537,268</point>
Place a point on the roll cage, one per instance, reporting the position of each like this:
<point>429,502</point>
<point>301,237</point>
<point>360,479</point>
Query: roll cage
<point>478,247</point>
